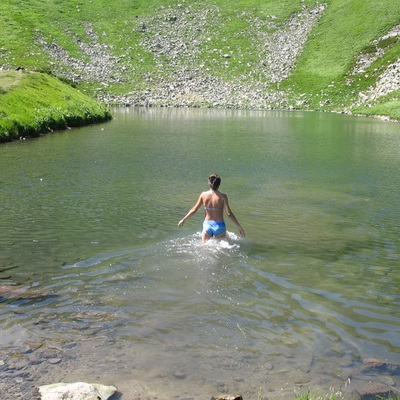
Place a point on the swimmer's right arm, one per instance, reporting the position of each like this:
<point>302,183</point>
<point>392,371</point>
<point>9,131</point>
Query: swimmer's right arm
<point>232,216</point>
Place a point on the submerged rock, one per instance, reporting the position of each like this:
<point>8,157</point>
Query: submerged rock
<point>375,391</point>
<point>76,391</point>
<point>17,292</point>
<point>378,365</point>
<point>227,397</point>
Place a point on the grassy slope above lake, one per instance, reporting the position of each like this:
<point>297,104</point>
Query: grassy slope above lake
<point>32,104</point>
<point>339,55</point>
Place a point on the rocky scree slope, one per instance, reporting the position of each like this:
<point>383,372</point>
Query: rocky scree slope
<point>176,36</point>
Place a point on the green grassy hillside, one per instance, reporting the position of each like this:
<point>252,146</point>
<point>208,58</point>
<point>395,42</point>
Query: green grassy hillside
<point>220,52</point>
<point>347,31</point>
<point>32,104</point>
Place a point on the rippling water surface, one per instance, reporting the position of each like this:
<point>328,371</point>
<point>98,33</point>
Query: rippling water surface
<point>99,284</point>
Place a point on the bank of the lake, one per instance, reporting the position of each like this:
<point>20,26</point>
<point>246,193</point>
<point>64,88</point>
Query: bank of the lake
<point>301,54</point>
<point>32,104</point>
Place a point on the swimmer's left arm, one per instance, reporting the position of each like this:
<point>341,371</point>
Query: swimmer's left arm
<point>192,211</point>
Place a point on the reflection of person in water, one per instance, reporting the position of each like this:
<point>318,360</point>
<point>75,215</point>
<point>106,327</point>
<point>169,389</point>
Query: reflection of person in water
<point>214,203</point>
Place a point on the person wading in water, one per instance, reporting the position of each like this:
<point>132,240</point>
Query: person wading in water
<point>214,202</point>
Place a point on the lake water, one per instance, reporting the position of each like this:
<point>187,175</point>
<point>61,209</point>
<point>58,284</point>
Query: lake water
<point>110,290</point>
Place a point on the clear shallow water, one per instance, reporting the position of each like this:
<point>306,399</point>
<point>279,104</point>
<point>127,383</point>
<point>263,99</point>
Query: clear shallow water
<point>89,233</point>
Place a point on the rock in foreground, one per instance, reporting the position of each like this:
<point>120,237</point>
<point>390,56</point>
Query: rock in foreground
<point>76,391</point>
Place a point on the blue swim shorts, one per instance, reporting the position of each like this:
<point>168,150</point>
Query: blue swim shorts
<point>214,228</point>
